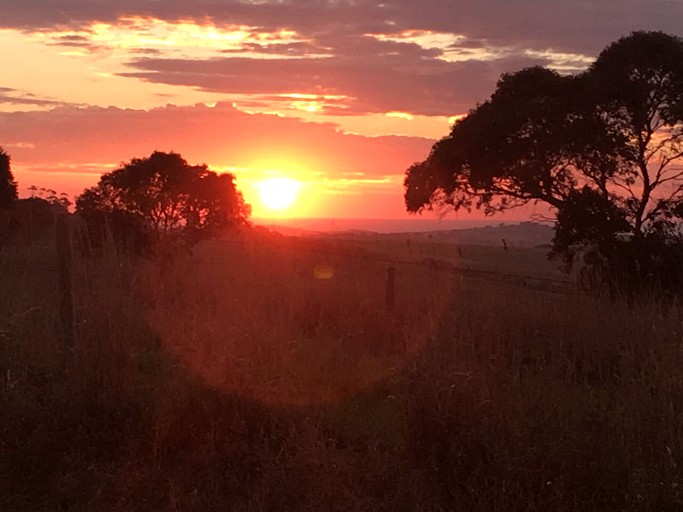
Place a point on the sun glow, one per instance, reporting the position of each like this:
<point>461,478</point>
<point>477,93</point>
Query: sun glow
<point>279,193</point>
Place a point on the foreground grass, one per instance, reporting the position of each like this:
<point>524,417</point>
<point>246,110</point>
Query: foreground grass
<point>238,380</point>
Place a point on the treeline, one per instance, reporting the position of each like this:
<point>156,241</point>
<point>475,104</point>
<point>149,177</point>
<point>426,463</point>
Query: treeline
<point>142,206</point>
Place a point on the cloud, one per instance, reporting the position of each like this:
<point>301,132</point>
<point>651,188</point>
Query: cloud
<point>436,88</point>
<point>72,139</point>
<point>14,97</point>
<point>434,57</point>
<point>581,26</point>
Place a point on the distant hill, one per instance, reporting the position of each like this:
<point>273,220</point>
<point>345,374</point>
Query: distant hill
<point>411,224</point>
<point>525,234</point>
<point>288,230</point>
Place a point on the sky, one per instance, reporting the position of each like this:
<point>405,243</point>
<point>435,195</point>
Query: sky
<point>340,95</point>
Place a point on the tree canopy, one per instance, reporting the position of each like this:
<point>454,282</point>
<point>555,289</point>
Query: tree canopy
<point>160,196</point>
<point>8,187</point>
<point>603,149</point>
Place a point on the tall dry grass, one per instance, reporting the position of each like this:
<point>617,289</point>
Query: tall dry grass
<point>238,380</point>
<point>291,325</point>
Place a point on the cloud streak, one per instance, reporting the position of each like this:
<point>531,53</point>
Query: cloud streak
<point>434,57</point>
<point>10,96</point>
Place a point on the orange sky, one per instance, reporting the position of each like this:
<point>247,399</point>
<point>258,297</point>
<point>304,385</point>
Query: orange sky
<point>341,96</point>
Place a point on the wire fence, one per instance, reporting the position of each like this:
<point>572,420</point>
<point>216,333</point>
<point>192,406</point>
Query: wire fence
<point>539,283</point>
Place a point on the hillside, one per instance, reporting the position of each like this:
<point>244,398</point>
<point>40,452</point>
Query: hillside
<point>525,234</point>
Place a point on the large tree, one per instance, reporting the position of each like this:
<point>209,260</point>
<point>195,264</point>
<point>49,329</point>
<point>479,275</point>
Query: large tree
<point>8,187</point>
<point>602,149</point>
<point>162,196</point>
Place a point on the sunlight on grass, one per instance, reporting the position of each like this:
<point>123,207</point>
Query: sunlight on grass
<point>288,325</point>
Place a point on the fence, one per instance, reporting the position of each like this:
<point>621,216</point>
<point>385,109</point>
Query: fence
<point>65,234</point>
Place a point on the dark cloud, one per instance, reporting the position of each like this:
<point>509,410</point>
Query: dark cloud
<point>304,15</point>
<point>145,51</point>
<point>71,40</point>
<point>373,85</point>
<point>21,98</point>
<point>583,26</point>
<point>298,49</point>
<point>334,55</point>
<point>376,76</point>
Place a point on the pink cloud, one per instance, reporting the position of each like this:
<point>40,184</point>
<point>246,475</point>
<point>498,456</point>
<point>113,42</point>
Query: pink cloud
<point>73,145</point>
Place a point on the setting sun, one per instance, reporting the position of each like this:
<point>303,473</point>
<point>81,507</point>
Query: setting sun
<point>278,193</point>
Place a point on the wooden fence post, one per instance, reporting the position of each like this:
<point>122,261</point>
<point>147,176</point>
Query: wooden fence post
<point>390,295</point>
<point>65,285</point>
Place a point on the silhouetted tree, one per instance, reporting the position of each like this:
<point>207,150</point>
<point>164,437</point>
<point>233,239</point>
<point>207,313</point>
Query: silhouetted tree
<point>30,219</point>
<point>148,200</point>
<point>602,149</point>
<point>8,187</point>
<point>51,196</point>
<point>128,230</point>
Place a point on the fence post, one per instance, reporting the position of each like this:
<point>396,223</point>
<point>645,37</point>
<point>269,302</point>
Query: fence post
<point>65,285</point>
<point>390,295</point>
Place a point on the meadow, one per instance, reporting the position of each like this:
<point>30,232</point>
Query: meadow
<point>264,372</point>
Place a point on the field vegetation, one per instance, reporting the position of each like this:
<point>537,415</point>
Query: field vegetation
<point>531,262</point>
<point>270,373</point>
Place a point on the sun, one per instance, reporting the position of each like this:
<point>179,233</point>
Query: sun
<point>278,193</point>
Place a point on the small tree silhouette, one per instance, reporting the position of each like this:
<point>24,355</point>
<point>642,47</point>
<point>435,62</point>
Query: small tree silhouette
<point>150,200</point>
<point>8,187</point>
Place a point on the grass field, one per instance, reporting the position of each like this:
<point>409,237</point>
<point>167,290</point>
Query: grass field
<point>268,373</point>
<point>518,261</point>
